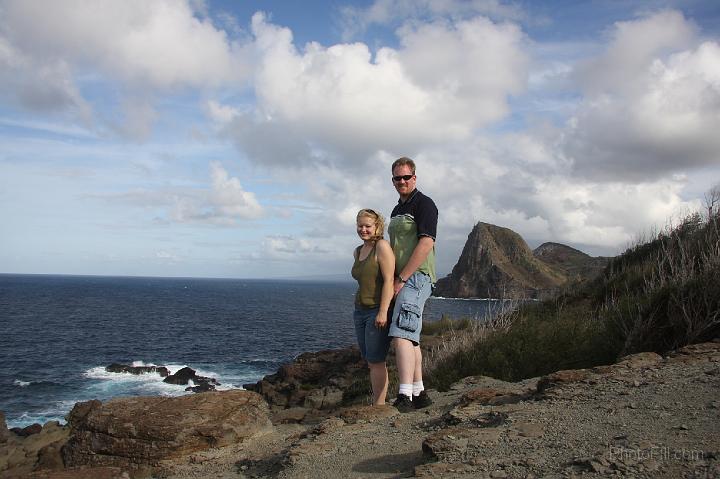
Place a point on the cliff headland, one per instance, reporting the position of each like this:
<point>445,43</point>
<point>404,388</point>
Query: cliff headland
<point>496,262</point>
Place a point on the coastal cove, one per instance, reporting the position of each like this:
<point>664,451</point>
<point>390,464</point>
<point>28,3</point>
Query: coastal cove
<point>61,331</point>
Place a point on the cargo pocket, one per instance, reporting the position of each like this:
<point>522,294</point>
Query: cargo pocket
<point>409,317</point>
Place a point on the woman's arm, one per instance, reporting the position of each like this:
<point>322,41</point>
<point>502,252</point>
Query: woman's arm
<point>386,260</point>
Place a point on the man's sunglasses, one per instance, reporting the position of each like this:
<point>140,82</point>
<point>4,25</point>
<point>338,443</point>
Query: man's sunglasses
<point>397,179</point>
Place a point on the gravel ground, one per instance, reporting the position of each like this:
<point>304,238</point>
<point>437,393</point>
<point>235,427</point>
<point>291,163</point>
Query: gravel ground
<point>645,417</point>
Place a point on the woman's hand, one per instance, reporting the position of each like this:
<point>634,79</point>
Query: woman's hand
<point>381,320</point>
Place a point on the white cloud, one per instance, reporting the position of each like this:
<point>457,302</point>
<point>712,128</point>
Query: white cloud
<point>291,247</point>
<point>50,52</point>
<point>223,202</point>
<point>633,46</point>
<point>221,113</point>
<point>344,102</point>
<point>46,86</point>
<point>652,105</point>
<point>228,198</point>
<point>160,43</point>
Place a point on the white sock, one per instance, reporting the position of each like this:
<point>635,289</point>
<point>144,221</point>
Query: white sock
<point>406,389</point>
<point>417,388</point>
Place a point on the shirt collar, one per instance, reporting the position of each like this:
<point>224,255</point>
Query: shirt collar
<point>410,198</point>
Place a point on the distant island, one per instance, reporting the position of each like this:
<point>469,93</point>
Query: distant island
<point>496,262</point>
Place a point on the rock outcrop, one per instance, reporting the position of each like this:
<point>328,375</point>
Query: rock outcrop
<point>497,263</point>
<point>315,380</point>
<point>136,433</point>
<point>21,455</point>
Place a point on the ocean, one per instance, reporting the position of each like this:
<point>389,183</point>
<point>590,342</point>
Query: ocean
<point>59,333</point>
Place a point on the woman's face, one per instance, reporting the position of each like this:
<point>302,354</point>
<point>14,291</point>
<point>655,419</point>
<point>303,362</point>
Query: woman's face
<point>366,227</point>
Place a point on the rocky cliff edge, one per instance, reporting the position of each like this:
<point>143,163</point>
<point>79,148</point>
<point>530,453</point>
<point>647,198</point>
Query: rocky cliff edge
<point>647,416</point>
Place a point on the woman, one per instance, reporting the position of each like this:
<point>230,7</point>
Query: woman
<point>373,269</point>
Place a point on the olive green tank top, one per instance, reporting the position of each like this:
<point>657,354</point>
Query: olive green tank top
<point>367,273</point>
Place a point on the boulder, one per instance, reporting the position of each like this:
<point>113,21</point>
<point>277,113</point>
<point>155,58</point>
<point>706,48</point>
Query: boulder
<point>124,368</point>
<point>139,432</point>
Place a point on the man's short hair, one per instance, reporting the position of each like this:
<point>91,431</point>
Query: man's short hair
<point>401,162</point>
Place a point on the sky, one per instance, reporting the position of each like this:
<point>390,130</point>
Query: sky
<point>239,138</point>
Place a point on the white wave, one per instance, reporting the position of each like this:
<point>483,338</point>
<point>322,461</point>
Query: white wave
<point>22,384</point>
<point>39,417</point>
<point>109,385</point>
<point>99,372</point>
<point>139,364</point>
<point>227,387</point>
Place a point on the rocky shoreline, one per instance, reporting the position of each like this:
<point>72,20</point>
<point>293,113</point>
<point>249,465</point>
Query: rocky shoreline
<point>646,416</point>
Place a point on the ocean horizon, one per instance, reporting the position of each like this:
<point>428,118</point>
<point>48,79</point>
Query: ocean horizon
<point>61,331</point>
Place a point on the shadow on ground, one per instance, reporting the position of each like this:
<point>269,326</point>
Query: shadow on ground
<point>401,465</point>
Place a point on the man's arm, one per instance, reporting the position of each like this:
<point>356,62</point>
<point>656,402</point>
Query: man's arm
<point>421,251</point>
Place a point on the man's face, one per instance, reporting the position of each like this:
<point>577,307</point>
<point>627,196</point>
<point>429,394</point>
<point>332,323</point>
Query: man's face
<point>404,187</point>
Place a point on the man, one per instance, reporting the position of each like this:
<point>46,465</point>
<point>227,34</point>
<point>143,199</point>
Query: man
<point>413,226</point>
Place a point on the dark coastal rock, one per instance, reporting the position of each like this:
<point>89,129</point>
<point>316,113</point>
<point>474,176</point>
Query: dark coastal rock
<point>315,380</point>
<point>139,432</point>
<point>4,433</point>
<point>203,387</point>
<point>496,262</point>
<point>185,375</point>
<point>124,368</point>
<point>27,430</point>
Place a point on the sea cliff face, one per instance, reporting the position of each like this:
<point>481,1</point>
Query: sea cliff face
<point>496,262</point>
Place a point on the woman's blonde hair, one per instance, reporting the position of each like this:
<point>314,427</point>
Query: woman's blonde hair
<point>379,222</point>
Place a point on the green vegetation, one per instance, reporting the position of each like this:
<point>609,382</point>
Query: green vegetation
<point>446,324</point>
<point>657,296</point>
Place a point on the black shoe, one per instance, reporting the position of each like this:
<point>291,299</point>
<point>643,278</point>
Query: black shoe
<point>422,400</point>
<point>403,403</point>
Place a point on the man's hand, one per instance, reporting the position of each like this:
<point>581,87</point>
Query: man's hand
<point>397,286</point>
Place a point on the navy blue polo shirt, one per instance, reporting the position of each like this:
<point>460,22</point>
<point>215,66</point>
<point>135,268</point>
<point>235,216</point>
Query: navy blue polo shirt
<point>409,220</point>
